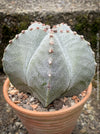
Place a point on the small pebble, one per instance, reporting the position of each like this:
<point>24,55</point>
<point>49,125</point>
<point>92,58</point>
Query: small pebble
<point>64,107</point>
<point>27,107</point>
<point>14,99</point>
<point>32,99</point>
<point>83,130</point>
<point>51,109</point>
<point>16,102</point>
<point>20,95</point>
<point>13,92</point>
<point>25,96</point>
<point>17,124</point>
<point>58,104</point>
<point>34,106</point>
<point>31,103</point>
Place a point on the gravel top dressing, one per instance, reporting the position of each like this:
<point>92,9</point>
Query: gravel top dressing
<point>29,102</point>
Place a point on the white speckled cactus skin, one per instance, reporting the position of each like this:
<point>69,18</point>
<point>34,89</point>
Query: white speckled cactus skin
<point>49,63</point>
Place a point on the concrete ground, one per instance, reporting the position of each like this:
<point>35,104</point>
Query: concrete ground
<point>30,6</point>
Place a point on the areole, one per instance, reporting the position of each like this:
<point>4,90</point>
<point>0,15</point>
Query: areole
<point>58,122</point>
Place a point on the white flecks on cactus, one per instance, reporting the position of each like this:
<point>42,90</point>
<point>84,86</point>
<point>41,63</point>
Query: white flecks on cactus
<point>41,26</point>
<point>49,63</point>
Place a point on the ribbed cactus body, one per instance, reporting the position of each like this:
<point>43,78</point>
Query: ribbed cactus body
<point>49,63</point>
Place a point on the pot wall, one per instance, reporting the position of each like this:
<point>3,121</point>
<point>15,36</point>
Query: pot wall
<point>58,122</point>
<point>61,124</point>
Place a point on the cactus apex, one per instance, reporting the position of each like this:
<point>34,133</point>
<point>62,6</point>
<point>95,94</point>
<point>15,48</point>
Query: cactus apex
<point>82,37</point>
<point>10,42</point>
<point>50,50</point>
<point>23,31</point>
<point>16,36</point>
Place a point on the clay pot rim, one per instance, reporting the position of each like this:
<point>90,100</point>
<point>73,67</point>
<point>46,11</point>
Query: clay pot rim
<point>36,113</point>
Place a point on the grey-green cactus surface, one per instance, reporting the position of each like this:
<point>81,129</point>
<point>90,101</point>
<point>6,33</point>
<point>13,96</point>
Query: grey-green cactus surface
<point>49,62</point>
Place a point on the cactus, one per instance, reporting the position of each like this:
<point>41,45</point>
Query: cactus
<point>49,63</point>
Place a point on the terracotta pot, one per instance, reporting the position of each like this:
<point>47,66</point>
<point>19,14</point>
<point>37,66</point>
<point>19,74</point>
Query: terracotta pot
<point>58,122</point>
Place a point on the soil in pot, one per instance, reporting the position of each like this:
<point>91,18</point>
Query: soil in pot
<point>29,102</point>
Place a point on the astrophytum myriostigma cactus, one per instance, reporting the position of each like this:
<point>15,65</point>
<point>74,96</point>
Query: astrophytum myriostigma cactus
<point>49,63</point>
